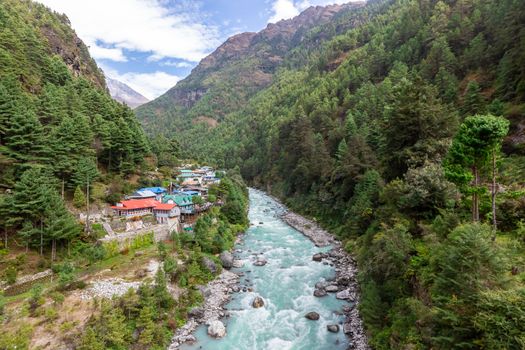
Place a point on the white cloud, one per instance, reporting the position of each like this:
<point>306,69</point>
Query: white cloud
<point>176,64</point>
<point>285,9</point>
<point>112,54</point>
<point>150,85</point>
<point>139,25</point>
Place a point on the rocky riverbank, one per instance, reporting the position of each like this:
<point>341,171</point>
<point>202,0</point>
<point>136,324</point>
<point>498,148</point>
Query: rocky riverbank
<point>216,295</point>
<point>345,282</point>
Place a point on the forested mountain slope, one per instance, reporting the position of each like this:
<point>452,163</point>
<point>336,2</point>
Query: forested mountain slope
<point>227,78</point>
<point>59,128</point>
<point>372,131</point>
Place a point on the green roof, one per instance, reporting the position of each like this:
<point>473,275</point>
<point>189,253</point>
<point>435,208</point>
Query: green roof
<point>179,199</point>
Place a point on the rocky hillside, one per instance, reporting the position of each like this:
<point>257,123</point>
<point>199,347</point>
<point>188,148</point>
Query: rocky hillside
<point>227,78</point>
<point>124,94</point>
<point>46,33</point>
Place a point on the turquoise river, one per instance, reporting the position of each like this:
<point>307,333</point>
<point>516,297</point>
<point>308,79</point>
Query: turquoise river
<point>286,283</point>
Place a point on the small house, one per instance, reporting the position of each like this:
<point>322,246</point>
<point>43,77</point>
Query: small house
<point>159,191</point>
<point>183,201</point>
<point>140,194</point>
<point>166,211</point>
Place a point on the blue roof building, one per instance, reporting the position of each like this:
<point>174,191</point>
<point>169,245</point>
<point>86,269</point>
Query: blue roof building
<point>156,190</point>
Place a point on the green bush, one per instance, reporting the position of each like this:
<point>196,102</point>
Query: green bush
<point>10,274</point>
<point>94,253</point>
<point>111,248</point>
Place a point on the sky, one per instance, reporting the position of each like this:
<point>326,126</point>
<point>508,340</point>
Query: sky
<point>152,44</point>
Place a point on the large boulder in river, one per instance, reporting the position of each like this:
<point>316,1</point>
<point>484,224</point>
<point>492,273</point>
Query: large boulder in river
<point>258,302</point>
<point>331,288</point>
<point>334,328</point>
<point>319,293</point>
<point>260,262</point>
<point>314,316</point>
<point>216,329</point>
<point>317,257</point>
<point>226,259</point>
<point>210,264</point>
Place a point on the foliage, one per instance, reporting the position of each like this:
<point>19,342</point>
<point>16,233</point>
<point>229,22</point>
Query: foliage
<point>359,129</point>
<point>145,313</point>
<point>58,124</point>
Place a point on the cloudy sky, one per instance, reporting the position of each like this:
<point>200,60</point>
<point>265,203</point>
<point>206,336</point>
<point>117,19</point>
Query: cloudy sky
<point>152,44</point>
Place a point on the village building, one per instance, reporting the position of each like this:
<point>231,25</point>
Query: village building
<point>166,211</point>
<point>159,191</point>
<point>162,212</point>
<point>183,201</point>
<point>142,194</point>
<point>195,181</point>
<point>135,207</point>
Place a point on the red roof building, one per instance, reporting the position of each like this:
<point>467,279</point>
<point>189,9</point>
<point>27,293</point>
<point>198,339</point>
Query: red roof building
<point>141,207</point>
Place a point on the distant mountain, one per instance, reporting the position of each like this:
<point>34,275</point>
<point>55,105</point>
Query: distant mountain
<point>124,94</point>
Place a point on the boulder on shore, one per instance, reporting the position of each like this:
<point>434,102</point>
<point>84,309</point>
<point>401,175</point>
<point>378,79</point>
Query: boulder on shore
<point>258,302</point>
<point>216,329</point>
<point>226,259</point>
<point>314,316</point>
<point>344,295</point>
<point>210,264</point>
<point>196,312</point>
<point>334,328</point>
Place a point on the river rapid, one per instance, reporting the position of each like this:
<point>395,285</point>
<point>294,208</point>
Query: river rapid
<point>286,283</point>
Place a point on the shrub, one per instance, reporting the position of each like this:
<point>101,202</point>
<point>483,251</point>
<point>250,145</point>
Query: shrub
<point>111,248</point>
<point>57,297</point>
<point>2,303</point>
<point>94,253</point>
<point>36,299</point>
<point>10,274</point>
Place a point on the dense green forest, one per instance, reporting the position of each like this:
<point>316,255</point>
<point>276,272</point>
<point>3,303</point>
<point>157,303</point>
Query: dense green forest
<point>403,134</point>
<point>59,129</point>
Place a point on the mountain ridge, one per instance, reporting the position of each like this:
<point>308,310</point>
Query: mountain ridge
<point>243,65</point>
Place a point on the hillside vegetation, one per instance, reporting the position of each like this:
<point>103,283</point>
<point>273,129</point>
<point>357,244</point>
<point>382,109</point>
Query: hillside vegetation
<point>59,129</point>
<point>390,130</point>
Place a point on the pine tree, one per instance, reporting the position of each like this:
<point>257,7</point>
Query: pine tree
<point>475,143</point>
<point>79,198</point>
<point>86,173</point>
<point>473,102</point>
<point>416,122</point>
<point>160,290</point>
<point>24,137</point>
<point>60,225</point>
<point>90,341</point>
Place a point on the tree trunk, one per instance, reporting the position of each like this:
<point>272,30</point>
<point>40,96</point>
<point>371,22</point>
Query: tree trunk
<point>5,237</point>
<point>475,196</point>
<point>494,191</point>
<point>41,238</point>
<point>87,205</point>
<point>53,249</point>
<point>63,188</point>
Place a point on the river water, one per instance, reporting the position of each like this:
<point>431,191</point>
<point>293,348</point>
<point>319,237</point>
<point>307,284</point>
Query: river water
<point>286,283</point>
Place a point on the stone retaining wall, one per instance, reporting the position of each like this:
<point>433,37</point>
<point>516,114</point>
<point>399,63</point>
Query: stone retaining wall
<point>27,282</point>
